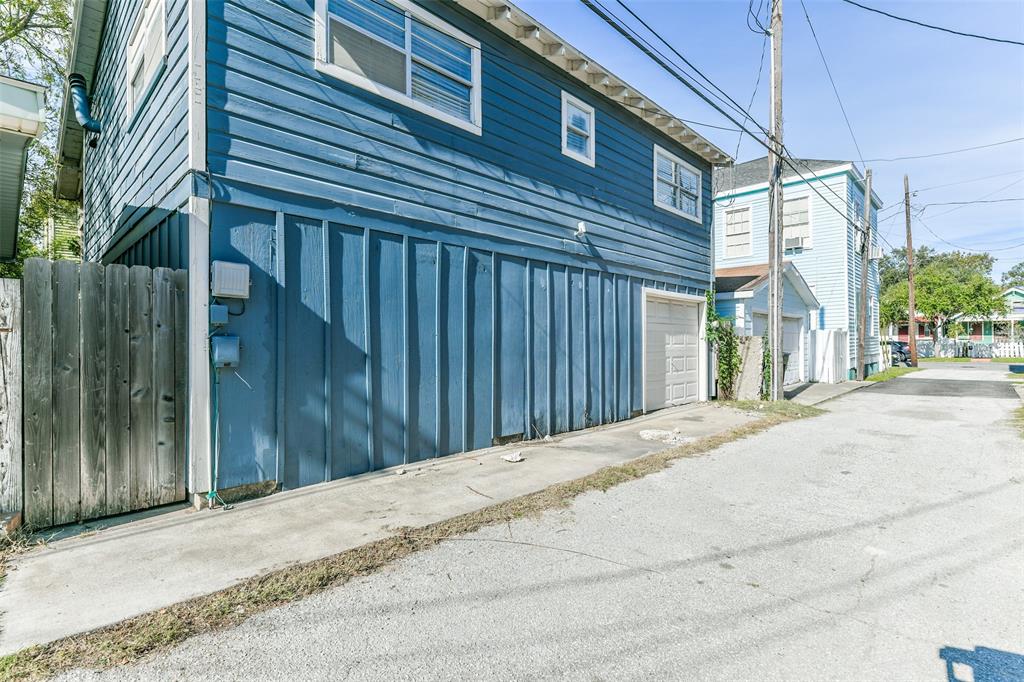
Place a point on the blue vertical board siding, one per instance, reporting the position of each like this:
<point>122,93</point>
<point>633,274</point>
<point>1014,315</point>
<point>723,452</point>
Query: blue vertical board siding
<point>577,350</point>
<point>400,348</point>
<point>387,348</point>
<point>559,376</point>
<point>246,396</point>
<point>510,347</point>
<point>350,450</point>
<point>451,367</point>
<point>538,357</point>
<point>479,349</point>
<point>305,369</point>
<point>422,335</point>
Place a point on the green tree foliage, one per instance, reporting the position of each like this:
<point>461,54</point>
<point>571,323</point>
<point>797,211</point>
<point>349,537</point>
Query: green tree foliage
<point>34,38</point>
<point>950,284</point>
<point>1014,277</point>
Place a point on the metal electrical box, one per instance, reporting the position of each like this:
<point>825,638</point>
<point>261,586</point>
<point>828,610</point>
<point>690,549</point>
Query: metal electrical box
<point>226,350</point>
<point>229,280</point>
<point>218,315</point>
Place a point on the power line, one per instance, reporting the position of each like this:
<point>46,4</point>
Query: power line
<point>964,182</point>
<point>828,71</point>
<point>976,201</point>
<point>983,196</point>
<point>934,27</point>
<point>665,63</point>
<point>952,151</point>
<point>965,248</point>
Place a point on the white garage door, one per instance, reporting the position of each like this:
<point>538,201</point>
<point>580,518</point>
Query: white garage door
<point>672,353</point>
<point>790,344</point>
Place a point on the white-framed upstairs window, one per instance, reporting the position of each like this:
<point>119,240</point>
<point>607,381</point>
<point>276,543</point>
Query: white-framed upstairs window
<point>398,50</point>
<point>677,185</point>
<point>738,233</point>
<point>146,54</point>
<point>578,129</point>
<point>796,223</point>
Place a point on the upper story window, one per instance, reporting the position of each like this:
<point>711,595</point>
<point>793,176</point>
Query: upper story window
<point>398,50</point>
<point>796,223</point>
<point>737,232</point>
<point>147,47</point>
<point>577,129</point>
<point>677,185</point>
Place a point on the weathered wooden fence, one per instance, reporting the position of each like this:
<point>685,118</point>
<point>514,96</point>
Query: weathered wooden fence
<point>104,389</point>
<point>10,396</point>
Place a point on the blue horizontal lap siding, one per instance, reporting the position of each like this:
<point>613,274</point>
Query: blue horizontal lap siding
<point>139,159</point>
<point>445,299</point>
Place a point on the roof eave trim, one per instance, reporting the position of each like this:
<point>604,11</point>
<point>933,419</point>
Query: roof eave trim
<point>529,33</point>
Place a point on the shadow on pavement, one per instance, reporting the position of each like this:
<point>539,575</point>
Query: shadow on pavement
<point>982,665</point>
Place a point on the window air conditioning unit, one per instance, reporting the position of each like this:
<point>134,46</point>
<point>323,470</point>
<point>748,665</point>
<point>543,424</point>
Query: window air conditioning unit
<point>793,243</point>
<point>876,253</point>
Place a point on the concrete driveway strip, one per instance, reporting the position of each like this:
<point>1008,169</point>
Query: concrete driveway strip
<point>869,543</point>
<point>82,583</point>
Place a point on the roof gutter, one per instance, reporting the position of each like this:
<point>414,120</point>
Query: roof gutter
<point>80,103</point>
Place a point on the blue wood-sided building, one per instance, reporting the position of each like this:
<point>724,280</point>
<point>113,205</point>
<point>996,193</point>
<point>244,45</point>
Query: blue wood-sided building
<point>454,222</point>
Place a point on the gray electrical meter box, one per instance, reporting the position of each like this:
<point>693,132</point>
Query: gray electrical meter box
<point>229,280</point>
<point>225,350</point>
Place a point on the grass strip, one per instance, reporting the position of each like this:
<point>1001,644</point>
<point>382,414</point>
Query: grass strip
<point>135,638</point>
<point>892,373</point>
<point>962,360</point>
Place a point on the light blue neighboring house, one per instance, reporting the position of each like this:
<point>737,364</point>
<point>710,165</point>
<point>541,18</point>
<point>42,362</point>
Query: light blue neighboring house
<point>822,214</point>
<point>459,229</point>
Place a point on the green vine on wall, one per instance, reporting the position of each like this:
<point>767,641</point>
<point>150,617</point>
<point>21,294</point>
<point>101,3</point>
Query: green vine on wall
<point>722,338</point>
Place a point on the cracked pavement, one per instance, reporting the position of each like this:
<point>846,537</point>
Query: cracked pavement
<point>854,545</point>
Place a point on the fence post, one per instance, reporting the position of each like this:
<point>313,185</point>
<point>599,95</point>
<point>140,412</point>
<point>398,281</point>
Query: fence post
<point>10,405</point>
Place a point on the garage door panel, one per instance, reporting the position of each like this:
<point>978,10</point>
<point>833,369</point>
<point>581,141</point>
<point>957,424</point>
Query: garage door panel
<point>672,353</point>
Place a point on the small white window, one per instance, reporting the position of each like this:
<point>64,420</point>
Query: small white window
<point>577,129</point>
<point>400,51</point>
<point>737,233</point>
<point>146,52</point>
<point>677,185</point>
<point>796,223</point>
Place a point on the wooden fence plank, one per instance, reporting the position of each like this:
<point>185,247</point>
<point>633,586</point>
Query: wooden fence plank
<point>10,397</point>
<point>38,374</point>
<point>94,374</point>
<point>180,379</point>
<point>66,394</point>
<point>140,360</point>
<point>118,436</point>
<point>163,383</point>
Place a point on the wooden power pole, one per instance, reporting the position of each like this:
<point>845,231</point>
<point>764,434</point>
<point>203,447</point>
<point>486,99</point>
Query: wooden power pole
<point>865,266</point>
<point>912,308</point>
<point>775,202</point>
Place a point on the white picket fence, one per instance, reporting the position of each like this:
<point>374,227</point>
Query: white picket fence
<point>950,348</point>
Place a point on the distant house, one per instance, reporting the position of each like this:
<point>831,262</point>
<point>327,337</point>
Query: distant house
<point>459,230</point>
<point>822,214</point>
<point>741,293</point>
<point>1005,327</point>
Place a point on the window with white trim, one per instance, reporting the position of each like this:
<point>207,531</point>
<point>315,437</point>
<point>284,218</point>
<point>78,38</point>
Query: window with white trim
<point>796,223</point>
<point>577,129</point>
<point>737,232</point>
<point>398,50</point>
<point>146,51</point>
<point>677,185</point>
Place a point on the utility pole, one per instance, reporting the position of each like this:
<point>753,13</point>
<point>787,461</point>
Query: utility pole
<point>912,315</point>
<point>775,202</point>
<point>865,265</point>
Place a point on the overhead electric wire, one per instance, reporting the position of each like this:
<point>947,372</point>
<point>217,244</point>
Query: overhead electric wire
<point>952,151</point>
<point>964,182</point>
<point>976,201</point>
<point>961,247</point>
<point>934,27</point>
<point>831,80</point>
<point>664,62</point>
<point>983,196</point>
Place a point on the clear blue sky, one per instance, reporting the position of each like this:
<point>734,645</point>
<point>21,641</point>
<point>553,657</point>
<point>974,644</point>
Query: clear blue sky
<point>908,91</point>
